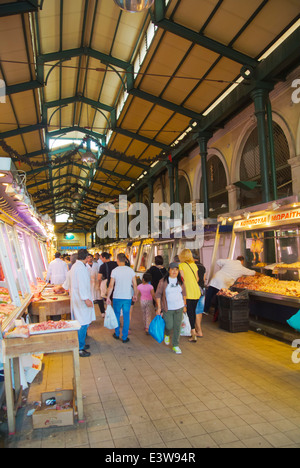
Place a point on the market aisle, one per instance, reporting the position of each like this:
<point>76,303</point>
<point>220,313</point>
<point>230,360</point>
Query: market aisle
<point>227,390</point>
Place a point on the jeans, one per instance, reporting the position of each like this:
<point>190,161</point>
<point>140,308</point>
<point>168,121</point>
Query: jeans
<point>82,336</point>
<point>211,293</point>
<point>125,305</point>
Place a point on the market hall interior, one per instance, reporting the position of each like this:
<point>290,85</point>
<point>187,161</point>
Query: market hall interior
<point>186,102</point>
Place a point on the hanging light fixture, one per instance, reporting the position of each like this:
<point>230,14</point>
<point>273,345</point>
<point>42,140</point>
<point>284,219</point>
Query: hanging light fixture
<point>134,6</point>
<point>89,157</point>
<point>76,196</point>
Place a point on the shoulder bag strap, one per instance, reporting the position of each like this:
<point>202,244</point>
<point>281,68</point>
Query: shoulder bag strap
<point>194,276</point>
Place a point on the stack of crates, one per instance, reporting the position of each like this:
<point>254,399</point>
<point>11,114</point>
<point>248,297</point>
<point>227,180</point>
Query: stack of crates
<point>234,312</point>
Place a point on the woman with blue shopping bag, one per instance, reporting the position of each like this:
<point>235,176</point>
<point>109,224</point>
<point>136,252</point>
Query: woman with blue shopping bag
<point>171,299</point>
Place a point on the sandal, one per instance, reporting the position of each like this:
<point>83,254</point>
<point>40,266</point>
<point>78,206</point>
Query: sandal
<point>193,339</point>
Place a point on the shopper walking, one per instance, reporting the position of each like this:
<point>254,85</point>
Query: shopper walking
<point>189,273</point>
<point>199,310</point>
<point>82,306</point>
<point>171,301</point>
<point>57,270</point>
<point>95,286</point>
<point>157,271</point>
<point>147,296</point>
<point>104,273</point>
<point>122,281</point>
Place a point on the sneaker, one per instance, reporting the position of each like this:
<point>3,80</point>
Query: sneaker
<point>83,353</point>
<point>115,336</point>
<point>176,350</point>
<point>167,340</point>
<point>126,341</point>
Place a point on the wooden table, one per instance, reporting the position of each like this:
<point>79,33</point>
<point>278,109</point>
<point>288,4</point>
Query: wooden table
<point>50,307</point>
<point>14,348</point>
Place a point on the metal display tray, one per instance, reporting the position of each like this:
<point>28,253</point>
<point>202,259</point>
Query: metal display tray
<point>288,301</point>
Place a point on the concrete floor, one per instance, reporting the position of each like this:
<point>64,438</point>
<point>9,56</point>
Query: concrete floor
<point>227,390</point>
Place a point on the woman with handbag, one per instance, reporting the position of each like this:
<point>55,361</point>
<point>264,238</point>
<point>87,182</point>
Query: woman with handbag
<point>189,272</point>
<point>170,298</point>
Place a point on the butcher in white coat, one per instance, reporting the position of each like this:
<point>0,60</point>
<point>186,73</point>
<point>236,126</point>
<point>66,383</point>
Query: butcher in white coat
<point>230,271</point>
<point>82,299</point>
<point>57,271</point>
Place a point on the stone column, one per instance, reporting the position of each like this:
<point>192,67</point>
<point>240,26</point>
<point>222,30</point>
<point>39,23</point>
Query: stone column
<point>176,184</point>
<point>233,203</point>
<point>171,182</point>
<point>295,167</point>
<point>202,139</point>
<point>150,184</point>
<point>259,97</point>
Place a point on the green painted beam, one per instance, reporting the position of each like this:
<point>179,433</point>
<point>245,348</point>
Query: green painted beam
<point>73,99</point>
<point>119,157</point>
<point>285,56</point>
<point>106,152</point>
<point>203,41</point>
<point>85,131</point>
<point>62,206</point>
<point>65,201</point>
<point>17,8</point>
<point>163,103</point>
<point>65,54</point>
<point>21,87</point>
<point>91,192</point>
<point>136,136</point>
<point>53,179</point>
<point>157,100</point>
<point>21,131</point>
<point>81,166</point>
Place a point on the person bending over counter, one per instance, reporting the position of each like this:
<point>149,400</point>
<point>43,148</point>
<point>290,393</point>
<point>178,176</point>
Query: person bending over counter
<point>230,271</point>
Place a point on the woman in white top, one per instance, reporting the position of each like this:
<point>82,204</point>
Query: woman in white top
<point>171,299</point>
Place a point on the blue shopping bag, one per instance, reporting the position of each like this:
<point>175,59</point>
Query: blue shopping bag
<point>157,328</point>
<point>200,305</point>
<point>294,321</point>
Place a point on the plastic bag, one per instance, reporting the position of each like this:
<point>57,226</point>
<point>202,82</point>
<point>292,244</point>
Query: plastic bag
<point>103,288</point>
<point>200,305</point>
<point>157,328</point>
<point>185,326</point>
<point>110,320</point>
<point>294,321</point>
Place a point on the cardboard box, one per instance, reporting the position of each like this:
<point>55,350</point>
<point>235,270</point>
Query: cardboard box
<point>56,415</point>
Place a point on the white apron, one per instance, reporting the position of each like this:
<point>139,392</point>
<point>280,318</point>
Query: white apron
<point>80,291</point>
<point>57,272</point>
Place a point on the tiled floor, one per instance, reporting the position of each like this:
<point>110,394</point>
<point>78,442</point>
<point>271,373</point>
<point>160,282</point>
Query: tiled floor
<point>226,390</point>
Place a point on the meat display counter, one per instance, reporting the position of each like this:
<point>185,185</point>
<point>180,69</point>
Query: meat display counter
<point>270,243</point>
<point>20,281</point>
<point>23,254</point>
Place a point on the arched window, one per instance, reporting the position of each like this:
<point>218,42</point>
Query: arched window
<point>217,182</point>
<point>250,167</point>
<point>184,191</point>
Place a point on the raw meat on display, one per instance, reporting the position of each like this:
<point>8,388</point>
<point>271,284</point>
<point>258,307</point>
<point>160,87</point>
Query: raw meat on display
<point>227,293</point>
<point>50,325</point>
